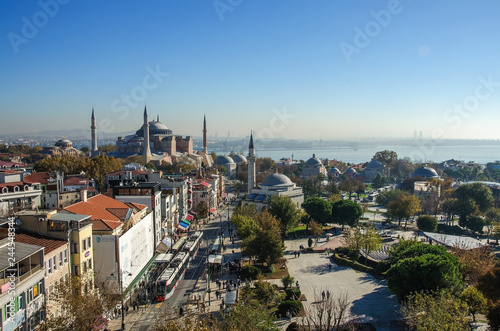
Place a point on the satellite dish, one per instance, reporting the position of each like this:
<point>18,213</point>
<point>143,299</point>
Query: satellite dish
<point>18,222</point>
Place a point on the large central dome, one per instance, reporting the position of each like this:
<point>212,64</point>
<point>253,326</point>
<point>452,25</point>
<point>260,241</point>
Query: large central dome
<point>155,127</point>
<point>276,180</point>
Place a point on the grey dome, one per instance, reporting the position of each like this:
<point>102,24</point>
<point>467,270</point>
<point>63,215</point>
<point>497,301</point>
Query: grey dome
<point>350,171</point>
<point>63,143</point>
<point>426,172</point>
<point>313,161</point>
<point>334,170</point>
<point>276,180</point>
<point>238,158</point>
<point>223,160</point>
<point>375,164</point>
<point>155,127</point>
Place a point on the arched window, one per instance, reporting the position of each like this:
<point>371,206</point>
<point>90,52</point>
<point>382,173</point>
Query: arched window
<point>16,188</point>
<point>5,190</point>
<point>26,187</point>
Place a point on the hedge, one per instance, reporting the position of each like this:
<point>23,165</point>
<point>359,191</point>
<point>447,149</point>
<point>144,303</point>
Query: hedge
<point>292,294</point>
<point>293,306</point>
<point>355,265</point>
<point>250,272</point>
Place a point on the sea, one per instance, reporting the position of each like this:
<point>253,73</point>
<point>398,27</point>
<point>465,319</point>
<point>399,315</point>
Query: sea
<point>423,153</point>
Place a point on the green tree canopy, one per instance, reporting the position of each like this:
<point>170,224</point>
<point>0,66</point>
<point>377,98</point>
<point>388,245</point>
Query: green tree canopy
<point>428,272</point>
<point>318,209</point>
<point>285,210</point>
<point>477,192</point>
<point>346,212</point>
<point>427,223</point>
<point>404,207</point>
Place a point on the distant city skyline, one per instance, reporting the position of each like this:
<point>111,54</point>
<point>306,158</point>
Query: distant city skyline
<point>304,70</point>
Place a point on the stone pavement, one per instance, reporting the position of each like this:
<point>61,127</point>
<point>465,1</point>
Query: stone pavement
<point>372,302</point>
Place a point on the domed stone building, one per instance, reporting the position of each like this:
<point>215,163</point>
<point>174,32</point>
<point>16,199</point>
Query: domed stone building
<point>228,163</point>
<point>334,172</point>
<point>160,140</point>
<point>350,172</point>
<point>274,184</point>
<point>313,167</point>
<point>373,169</point>
<point>60,148</point>
<point>425,172</point>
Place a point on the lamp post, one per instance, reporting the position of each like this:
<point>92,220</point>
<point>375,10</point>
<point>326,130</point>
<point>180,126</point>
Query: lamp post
<point>208,272</point>
<point>120,284</point>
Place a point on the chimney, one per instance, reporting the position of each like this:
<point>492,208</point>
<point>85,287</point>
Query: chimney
<point>83,195</point>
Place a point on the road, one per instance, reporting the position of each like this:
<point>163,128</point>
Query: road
<point>195,275</point>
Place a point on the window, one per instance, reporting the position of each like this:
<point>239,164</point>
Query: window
<point>61,258</point>
<point>89,242</point>
<point>50,266</point>
<point>90,263</point>
<point>66,255</point>
<point>45,267</point>
<point>84,244</point>
<point>55,262</point>
<point>74,247</point>
<point>84,266</point>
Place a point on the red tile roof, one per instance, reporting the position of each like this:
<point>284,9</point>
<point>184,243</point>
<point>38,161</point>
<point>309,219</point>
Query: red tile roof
<point>122,172</point>
<point>11,164</point>
<point>101,207</point>
<point>50,244</point>
<point>76,180</point>
<point>37,177</point>
<point>105,225</point>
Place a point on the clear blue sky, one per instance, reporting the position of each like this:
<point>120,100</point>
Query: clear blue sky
<point>245,61</point>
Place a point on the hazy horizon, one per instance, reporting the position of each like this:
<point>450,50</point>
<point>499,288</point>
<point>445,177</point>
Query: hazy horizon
<point>321,70</point>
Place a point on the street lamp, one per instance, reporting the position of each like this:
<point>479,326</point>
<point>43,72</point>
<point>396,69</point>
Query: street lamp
<point>120,284</point>
<point>208,272</point>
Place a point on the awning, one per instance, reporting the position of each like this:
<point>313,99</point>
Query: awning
<point>184,225</point>
<point>223,195</point>
<point>215,259</point>
<point>180,228</point>
<point>189,217</point>
<point>167,241</point>
<point>205,184</point>
<point>192,212</point>
<point>190,201</point>
<point>186,221</point>
<point>212,210</point>
<point>190,191</point>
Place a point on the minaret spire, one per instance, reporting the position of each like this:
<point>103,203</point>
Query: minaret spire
<point>146,152</point>
<point>204,134</point>
<point>251,164</point>
<point>93,132</point>
<point>157,118</point>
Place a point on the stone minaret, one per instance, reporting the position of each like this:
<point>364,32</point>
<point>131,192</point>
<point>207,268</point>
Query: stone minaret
<point>251,165</point>
<point>93,130</point>
<point>204,135</point>
<point>146,152</point>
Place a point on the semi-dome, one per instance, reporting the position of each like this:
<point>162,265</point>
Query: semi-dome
<point>313,161</point>
<point>223,160</point>
<point>375,164</point>
<point>155,127</point>
<point>64,143</point>
<point>276,180</point>
<point>425,172</point>
<point>238,158</point>
<point>334,170</point>
<point>350,170</point>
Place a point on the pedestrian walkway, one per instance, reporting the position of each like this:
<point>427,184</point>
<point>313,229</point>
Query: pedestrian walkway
<point>130,318</point>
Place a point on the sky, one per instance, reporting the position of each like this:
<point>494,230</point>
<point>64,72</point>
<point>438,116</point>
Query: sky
<point>296,69</point>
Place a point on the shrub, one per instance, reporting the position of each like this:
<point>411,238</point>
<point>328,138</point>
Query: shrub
<point>292,294</point>
<point>450,229</point>
<point>293,306</point>
<point>354,255</point>
<point>427,223</point>
<point>293,327</point>
<point>383,266</point>
<point>250,272</point>
<point>355,265</point>
<point>287,281</point>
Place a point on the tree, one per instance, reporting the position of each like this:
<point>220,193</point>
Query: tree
<point>85,149</point>
<point>107,148</point>
<point>346,212</point>
<point>435,311</point>
<point>475,300</point>
<point>385,197</point>
<point>387,158</point>
<point>348,185</point>
<point>489,284</point>
<point>318,209</point>
<point>315,229</point>
<point>476,223</point>
<point>266,245</point>
<point>474,263</point>
<point>404,207</point>
<point>450,208</point>
<point>285,211</point>
<point>428,272</point>
<point>427,223</point>
<point>248,317</point>
<point>379,181</point>
<point>287,281</point>
<point>475,194</point>
<point>331,313</point>
<point>493,315</point>
<point>83,309</point>
<point>246,210</point>
<point>201,209</point>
